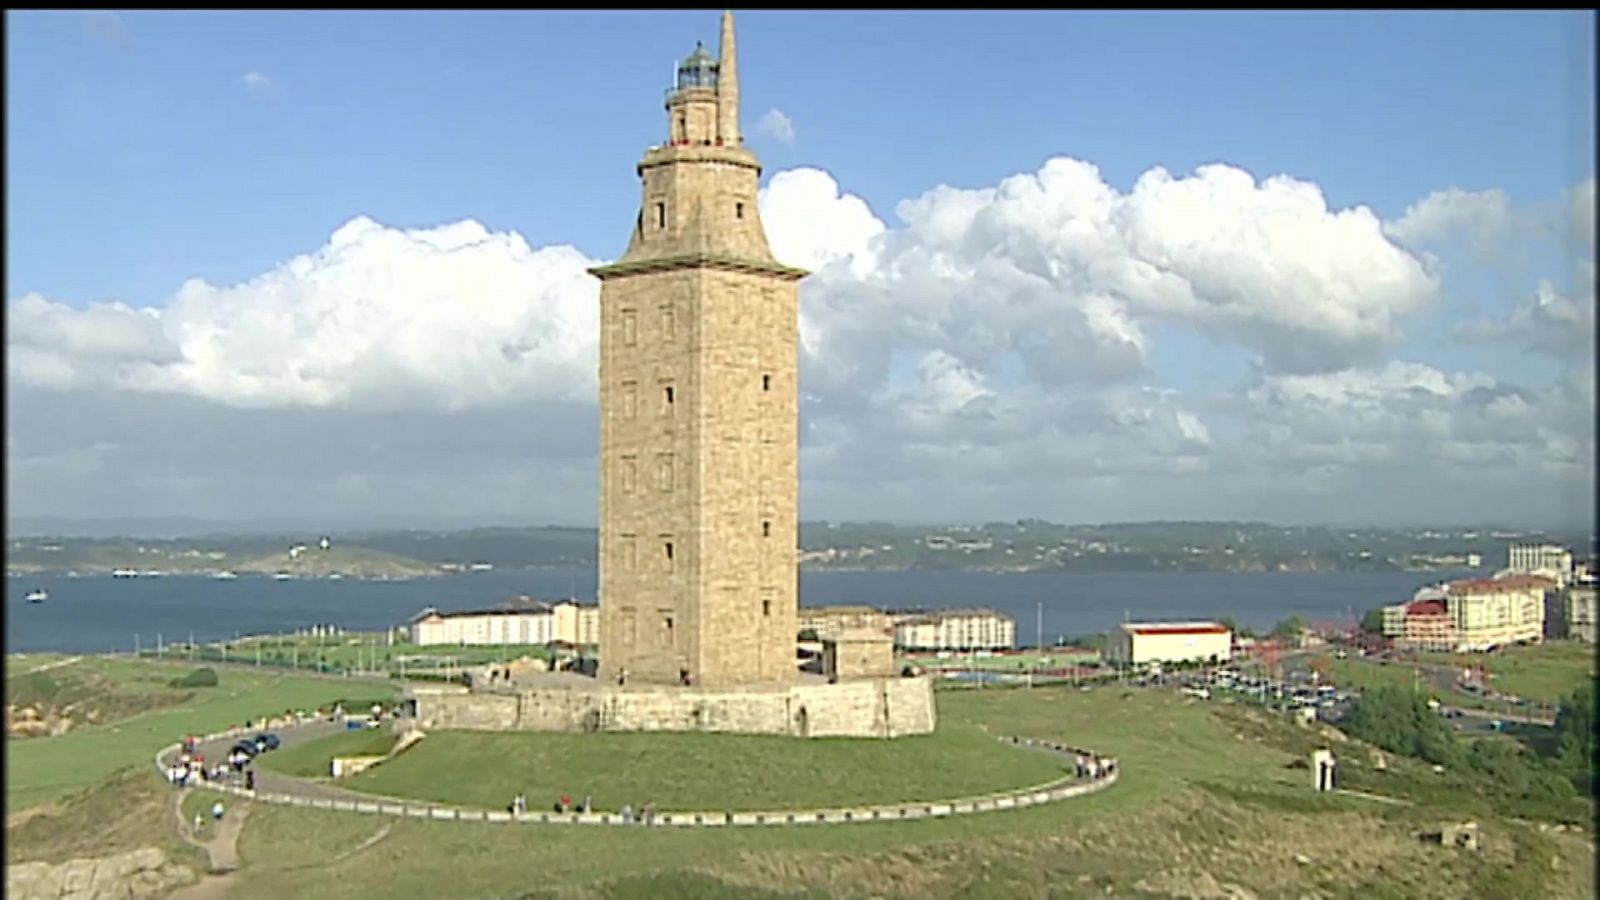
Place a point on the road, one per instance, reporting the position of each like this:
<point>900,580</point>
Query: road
<point>272,782</point>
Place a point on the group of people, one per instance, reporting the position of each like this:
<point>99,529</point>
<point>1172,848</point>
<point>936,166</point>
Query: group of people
<point>190,767</point>
<point>1095,766</point>
<point>647,814</point>
<point>216,816</point>
<point>519,805</point>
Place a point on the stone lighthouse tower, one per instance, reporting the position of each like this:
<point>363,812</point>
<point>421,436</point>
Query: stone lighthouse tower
<point>699,410</point>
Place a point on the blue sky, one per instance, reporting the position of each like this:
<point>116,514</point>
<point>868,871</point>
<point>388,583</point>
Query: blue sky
<point>147,149</point>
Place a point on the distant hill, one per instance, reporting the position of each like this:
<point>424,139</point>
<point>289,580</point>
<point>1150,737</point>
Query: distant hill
<point>355,562</point>
<point>199,556</point>
<point>1027,545</point>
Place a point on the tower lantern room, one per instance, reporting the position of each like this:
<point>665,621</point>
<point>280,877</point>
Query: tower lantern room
<point>698,70</point>
<point>703,103</point>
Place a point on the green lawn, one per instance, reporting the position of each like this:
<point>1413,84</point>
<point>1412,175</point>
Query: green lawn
<point>1546,672</point>
<point>1207,787</point>
<point>42,769</point>
<point>358,651</point>
<point>1200,788</point>
<point>705,771</point>
<point>313,758</point>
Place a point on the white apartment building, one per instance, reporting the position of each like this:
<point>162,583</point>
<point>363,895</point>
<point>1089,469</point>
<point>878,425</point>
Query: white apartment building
<point>1394,621</point>
<point>1494,612</point>
<point>954,629</point>
<point>543,623</point>
<point>1136,643</point>
<point>1549,560</point>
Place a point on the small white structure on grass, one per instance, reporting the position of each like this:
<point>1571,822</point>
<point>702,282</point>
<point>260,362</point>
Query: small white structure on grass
<point>1322,770</point>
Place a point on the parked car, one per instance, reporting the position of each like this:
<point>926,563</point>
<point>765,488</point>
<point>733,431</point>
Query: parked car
<point>266,741</point>
<point>248,748</point>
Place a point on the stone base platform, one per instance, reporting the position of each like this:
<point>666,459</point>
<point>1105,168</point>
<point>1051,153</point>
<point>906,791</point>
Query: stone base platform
<point>868,707</point>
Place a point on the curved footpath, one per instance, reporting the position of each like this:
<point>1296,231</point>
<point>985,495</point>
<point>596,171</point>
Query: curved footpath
<point>288,791</point>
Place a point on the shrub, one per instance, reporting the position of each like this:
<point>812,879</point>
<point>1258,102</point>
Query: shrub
<point>203,677</point>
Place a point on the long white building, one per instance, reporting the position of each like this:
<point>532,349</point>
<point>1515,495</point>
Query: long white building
<point>1550,560</point>
<point>953,629</point>
<point>527,623</point>
<point>1136,643</point>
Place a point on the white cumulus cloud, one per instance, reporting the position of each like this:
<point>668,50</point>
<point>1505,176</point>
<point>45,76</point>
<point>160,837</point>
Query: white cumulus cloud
<point>453,317</point>
<point>775,124</point>
<point>1482,216</point>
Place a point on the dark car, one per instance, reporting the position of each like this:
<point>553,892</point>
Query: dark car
<point>248,748</point>
<point>266,741</point>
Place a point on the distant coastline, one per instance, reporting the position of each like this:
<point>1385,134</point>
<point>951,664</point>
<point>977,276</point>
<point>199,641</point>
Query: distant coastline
<point>1025,546</point>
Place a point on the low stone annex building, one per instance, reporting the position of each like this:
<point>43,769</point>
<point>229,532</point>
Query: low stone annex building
<point>699,484</point>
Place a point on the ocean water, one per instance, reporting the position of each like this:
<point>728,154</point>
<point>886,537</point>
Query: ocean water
<point>98,614</point>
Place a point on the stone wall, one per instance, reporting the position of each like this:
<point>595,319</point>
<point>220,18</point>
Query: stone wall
<point>138,873</point>
<point>879,707</point>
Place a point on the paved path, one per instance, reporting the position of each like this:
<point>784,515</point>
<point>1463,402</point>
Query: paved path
<point>276,788</point>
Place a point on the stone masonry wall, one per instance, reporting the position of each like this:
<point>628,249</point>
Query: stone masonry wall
<point>879,707</point>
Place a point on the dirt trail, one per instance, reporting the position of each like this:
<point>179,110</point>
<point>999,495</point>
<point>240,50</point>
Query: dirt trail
<point>222,849</point>
<point>52,665</point>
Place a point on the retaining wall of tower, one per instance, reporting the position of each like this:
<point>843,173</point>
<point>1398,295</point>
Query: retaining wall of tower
<point>877,707</point>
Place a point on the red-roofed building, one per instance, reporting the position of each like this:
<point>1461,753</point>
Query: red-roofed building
<point>1428,626</point>
<point>1146,642</point>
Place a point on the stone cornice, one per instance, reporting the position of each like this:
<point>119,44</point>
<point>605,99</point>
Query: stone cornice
<point>698,261</point>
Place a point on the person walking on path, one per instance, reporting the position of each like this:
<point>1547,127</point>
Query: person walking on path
<point>216,810</point>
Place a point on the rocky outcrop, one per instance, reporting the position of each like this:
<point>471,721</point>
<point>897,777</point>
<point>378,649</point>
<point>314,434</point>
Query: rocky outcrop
<point>1195,885</point>
<point>145,872</point>
<point>29,721</point>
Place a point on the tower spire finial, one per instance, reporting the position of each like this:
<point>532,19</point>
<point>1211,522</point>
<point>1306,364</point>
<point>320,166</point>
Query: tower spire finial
<point>728,85</point>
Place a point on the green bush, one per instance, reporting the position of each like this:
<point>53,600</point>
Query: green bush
<point>199,678</point>
<point>1511,779</point>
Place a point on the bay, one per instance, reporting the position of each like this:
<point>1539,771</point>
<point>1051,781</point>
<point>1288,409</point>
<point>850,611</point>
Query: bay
<point>99,614</point>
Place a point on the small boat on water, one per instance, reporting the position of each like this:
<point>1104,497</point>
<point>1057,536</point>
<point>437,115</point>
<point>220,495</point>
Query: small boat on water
<point>225,576</point>
<point>38,596</point>
<point>283,576</point>
<point>124,573</point>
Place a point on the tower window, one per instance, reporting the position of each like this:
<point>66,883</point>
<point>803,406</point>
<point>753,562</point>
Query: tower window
<point>766,607</point>
<point>766,529</point>
<point>669,397</point>
<point>630,469</point>
<point>738,210</point>
<point>630,327</point>
<point>630,395</point>
<point>766,382</point>
<point>661,215</point>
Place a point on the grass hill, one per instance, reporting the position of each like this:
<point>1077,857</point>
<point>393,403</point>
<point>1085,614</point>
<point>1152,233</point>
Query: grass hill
<point>1214,801</point>
<point>355,562</point>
